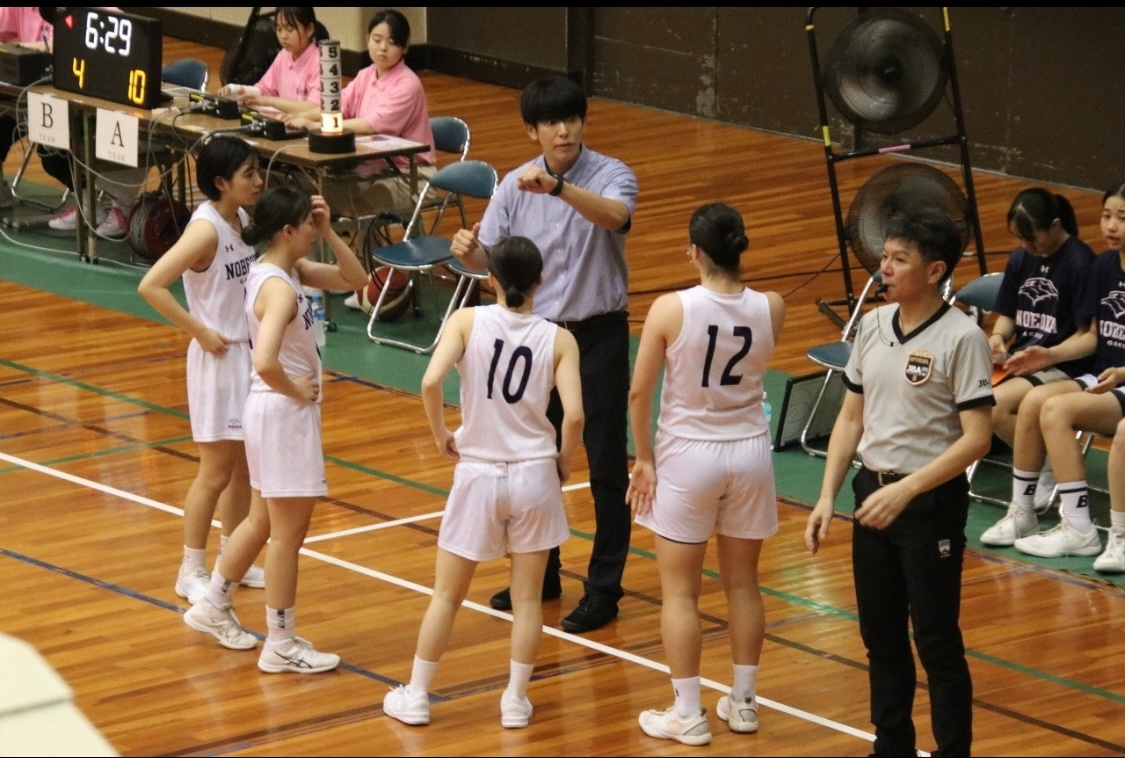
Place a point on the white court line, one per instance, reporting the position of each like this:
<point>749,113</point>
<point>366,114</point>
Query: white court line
<point>374,527</point>
<point>577,640</point>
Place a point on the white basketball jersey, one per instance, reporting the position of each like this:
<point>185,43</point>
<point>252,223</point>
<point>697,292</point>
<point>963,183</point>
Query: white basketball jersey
<point>507,374</point>
<point>714,369</point>
<point>215,296</point>
<point>298,355</point>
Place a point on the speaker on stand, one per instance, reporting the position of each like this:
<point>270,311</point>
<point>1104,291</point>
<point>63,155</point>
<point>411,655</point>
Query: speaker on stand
<point>885,73</point>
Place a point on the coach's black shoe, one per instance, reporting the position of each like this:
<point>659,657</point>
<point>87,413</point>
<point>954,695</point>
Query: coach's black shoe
<point>502,600</point>
<point>593,612</point>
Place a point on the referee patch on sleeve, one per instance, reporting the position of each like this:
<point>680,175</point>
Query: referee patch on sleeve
<point>919,366</point>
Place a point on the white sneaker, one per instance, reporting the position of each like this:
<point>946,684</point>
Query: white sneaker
<point>1017,523</point>
<point>220,623</point>
<point>1044,490</point>
<point>667,725</point>
<point>114,224</point>
<point>255,578</point>
<point>400,703</point>
<point>67,220</point>
<point>740,715</point>
<point>296,655</point>
<point>1112,561</point>
<point>515,710</point>
<point>1061,541</point>
<point>191,585</point>
<point>352,301</point>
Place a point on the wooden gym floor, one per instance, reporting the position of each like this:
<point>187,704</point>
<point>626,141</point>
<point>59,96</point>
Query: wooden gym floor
<point>95,457</point>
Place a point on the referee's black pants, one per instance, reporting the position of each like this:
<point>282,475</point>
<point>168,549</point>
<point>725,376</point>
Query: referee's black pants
<point>603,346</point>
<point>911,571</point>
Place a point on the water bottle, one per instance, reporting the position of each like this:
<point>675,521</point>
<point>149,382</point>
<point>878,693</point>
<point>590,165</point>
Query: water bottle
<point>767,408</point>
<point>316,299</point>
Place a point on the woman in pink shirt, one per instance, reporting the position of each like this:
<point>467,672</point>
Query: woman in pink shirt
<point>292,82</point>
<point>384,98</point>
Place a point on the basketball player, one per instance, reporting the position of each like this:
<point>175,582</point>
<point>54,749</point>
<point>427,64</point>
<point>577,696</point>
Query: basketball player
<point>1037,306</point>
<point>1092,402</point>
<point>577,206</point>
<point>917,410</point>
<point>712,470</point>
<point>282,420</point>
<point>213,261</point>
<point>507,495</point>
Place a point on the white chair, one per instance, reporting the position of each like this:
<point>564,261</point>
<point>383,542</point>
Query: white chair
<point>834,357</point>
<point>418,253</point>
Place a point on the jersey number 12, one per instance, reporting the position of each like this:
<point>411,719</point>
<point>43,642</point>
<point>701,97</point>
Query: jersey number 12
<point>712,337</point>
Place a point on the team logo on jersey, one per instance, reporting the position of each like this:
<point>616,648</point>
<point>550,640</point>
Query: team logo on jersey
<point>1039,288</point>
<point>919,366</point>
<point>944,548</point>
<point>1115,302</point>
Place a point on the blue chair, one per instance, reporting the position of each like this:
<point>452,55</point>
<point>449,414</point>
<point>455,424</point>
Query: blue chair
<point>980,294</point>
<point>833,356</point>
<point>418,253</point>
<point>191,73</point>
<point>451,136</point>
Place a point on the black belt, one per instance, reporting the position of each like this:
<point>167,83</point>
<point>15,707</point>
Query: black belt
<point>884,477</point>
<point>602,319</point>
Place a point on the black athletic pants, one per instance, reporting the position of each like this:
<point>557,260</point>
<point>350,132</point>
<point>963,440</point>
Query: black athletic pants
<point>911,572</point>
<point>55,163</point>
<point>603,344</point>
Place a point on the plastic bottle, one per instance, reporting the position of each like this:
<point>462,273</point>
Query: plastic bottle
<point>316,298</point>
<point>767,408</point>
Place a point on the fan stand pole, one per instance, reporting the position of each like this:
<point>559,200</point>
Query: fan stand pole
<point>827,307</point>
<point>963,138</point>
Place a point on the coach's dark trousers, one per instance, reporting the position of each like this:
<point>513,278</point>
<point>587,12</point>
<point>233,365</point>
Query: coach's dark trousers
<point>603,345</point>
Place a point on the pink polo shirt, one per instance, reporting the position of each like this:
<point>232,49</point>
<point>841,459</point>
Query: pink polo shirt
<point>394,105</point>
<point>294,79</point>
<point>24,25</point>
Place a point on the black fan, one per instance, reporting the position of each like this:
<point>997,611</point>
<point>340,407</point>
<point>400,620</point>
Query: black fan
<point>886,71</point>
<point>895,188</point>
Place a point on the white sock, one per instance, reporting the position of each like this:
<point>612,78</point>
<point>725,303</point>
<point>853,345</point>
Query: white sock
<point>1117,520</point>
<point>220,592</point>
<point>519,674</point>
<point>745,682</point>
<point>194,558</point>
<point>1074,505</point>
<point>281,624</point>
<point>421,675</point>
<point>687,697</point>
<point>1023,489</point>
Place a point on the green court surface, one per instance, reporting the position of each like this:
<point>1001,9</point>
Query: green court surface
<point>46,260</point>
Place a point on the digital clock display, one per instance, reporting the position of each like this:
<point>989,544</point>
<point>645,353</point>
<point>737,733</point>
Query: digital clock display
<point>110,55</point>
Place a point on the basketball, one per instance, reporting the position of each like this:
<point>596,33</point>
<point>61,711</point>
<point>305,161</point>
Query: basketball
<point>397,300</point>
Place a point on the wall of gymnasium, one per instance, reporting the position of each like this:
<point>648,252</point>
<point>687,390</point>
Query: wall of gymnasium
<point>1036,83</point>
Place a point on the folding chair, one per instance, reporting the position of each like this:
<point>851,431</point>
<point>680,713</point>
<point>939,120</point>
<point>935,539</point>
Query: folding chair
<point>418,253</point>
<point>468,281</point>
<point>191,73</point>
<point>451,135</point>
<point>834,357</point>
<point>980,294</point>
